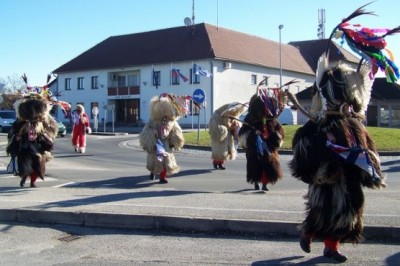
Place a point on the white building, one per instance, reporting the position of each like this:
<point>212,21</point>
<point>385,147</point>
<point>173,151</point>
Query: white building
<point>122,73</point>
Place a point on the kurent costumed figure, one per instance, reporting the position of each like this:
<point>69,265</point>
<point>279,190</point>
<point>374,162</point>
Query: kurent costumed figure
<point>32,135</point>
<point>80,126</point>
<point>333,152</point>
<point>162,135</point>
<point>262,135</point>
<point>224,129</point>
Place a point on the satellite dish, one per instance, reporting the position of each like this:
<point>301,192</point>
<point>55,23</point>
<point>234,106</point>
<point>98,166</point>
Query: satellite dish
<point>187,21</point>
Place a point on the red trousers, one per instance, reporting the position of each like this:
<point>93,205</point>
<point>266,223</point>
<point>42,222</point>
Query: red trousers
<point>79,136</point>
<point>264,178</point>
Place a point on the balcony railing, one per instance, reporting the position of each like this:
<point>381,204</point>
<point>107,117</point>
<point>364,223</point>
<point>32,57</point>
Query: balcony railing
<point>123,91</point>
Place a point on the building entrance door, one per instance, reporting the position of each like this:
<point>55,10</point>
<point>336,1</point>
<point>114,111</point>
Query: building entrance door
<point>127,111</point>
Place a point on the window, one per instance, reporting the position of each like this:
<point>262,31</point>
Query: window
<point>174,78</point>
<point>80,83</point>
<point>253,79</point>
<point>384,112</point>
<point>156,78</point>
<point>395,116</point>
<point>133,80</point>
<point>67,86</point>
<point>95,84</point>
<point>121,81</point>
<point>194,79</point>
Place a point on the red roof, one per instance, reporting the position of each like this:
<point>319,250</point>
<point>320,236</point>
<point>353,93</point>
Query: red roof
<point>187,43</point>
<point>311,51</point>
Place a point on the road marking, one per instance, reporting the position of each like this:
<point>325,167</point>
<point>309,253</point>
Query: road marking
<point>66,184</point>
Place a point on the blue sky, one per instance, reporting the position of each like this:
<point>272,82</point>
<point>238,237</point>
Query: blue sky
<point>38,36</point>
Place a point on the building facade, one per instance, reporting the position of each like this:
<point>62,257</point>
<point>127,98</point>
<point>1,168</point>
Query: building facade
<point>121,74</point>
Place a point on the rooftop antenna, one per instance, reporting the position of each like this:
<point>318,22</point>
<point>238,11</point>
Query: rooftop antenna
<point>217,15</point>
<point>187,21</point>
<point>321,24</point>
<point>193,12</point>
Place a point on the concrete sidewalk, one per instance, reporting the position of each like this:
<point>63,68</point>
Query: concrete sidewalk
<point>168,209</point>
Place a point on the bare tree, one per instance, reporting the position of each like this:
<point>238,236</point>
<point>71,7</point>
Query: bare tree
<point>11,84</point>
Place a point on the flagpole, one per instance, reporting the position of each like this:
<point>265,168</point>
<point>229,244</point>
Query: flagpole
<point>152,75</point>
<point>192,91</point>
<point>170,77</point>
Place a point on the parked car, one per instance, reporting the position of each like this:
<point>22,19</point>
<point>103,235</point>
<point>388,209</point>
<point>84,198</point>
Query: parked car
<point>7,118</point>
<point>288,117</point>
<point>62,129</point>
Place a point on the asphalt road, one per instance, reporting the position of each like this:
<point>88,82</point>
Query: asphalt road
<point>118,162</point>
<point>39,244</point>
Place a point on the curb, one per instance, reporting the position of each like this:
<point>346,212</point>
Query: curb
<point>283,152</point>
<point>175,223</point>
<point>109,133</point>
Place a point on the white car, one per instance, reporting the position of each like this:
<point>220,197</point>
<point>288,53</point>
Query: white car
<point>7,118</point>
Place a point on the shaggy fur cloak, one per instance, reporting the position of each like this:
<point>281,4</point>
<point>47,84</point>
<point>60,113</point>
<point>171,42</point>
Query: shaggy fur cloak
<point>268,161</point>
<point>162,126</point>
<point>31,137</point>
<point>222,138</point>
<point>335,200</point>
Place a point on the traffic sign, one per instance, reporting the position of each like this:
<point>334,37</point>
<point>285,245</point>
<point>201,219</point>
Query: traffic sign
<point>199,96</point>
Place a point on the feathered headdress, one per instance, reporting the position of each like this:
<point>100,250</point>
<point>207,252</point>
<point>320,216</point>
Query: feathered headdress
<point>42,93</point>
<point>369,44</point>
<point>273,98</point>
<point>344,89</point>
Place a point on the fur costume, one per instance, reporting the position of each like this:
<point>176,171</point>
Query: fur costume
<point>32,136</point>
<point>162,135</point>
<point>80,125</point>
<point>262,135</point>
<point>335,155</point>
<point>224,126</point>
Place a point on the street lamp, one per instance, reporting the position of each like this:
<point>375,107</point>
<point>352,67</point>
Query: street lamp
<point>280,55</point>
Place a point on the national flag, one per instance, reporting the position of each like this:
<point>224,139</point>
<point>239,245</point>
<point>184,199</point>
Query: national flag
<point>160,150</point>
<point>65,108</point>
<point>156,78</point>
<point>177,73</point>
<point>355,155</point>
<point>198,70</point>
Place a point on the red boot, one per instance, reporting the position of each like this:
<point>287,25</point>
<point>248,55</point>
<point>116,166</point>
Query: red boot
<point>163,177</point>
<point>33,179</point>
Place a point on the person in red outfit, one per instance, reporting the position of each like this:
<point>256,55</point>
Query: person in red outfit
<point>80,123</point>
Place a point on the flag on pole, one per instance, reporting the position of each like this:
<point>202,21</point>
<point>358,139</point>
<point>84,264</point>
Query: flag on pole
<point>198,70</point>
<point>156,78</point>
<point>177,73</point>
